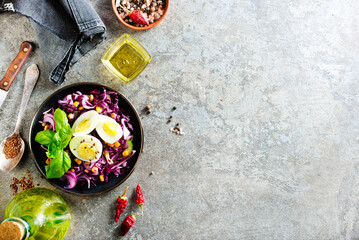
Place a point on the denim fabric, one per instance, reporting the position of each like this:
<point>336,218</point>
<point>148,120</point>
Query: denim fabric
<point>66,30</point>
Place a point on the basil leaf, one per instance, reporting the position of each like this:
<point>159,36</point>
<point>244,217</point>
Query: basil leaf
<point>60,119</point>
<point>59,165</point>
<point>61,161</point>
<point>65,135</point>
<point>44,137</point>
<point>56,139</point>
<point>53,150</point>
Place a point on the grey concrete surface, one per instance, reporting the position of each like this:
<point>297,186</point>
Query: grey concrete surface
<point>268,95</point>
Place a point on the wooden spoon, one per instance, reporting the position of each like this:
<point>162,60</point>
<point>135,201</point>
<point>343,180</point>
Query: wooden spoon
<point>31,76</point>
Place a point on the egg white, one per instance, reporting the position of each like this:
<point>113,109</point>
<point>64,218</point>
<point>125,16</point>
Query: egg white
<point>102,133</point>
<point>76,141</point>
<point>92,116</point>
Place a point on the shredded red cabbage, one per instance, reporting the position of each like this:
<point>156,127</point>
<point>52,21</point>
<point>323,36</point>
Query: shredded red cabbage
<point>71,178</point>
<point>112,159</point>
<point>49,118</point>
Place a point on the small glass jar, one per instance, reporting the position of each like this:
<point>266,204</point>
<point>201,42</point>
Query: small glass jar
<point>126,58</point>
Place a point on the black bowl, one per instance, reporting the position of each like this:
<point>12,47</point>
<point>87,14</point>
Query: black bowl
<point>39,155</point>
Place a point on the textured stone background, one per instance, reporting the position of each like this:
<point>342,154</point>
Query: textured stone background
<point>267,93</point>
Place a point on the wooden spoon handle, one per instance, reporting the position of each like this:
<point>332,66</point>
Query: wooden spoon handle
<point>15,66</point>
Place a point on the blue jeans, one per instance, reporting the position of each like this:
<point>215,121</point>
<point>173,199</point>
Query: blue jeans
<point>66,30</point>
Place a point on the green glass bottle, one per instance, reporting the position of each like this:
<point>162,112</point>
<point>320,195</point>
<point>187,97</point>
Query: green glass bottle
<point>36,214</point>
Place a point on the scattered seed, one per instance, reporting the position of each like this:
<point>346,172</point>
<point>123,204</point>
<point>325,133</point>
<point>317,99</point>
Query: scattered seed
<point>152,173</point>
<point>23,182</point>
<point>148,112</point>
<point>148,107</point>
<point>174,108</point>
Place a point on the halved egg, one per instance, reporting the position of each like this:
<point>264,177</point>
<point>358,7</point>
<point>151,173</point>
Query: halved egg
<point>86,123</point>
<point>109,130</point>
<point>86,148</point>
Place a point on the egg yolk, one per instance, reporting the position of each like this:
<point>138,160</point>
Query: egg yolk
<point>84,124</point>
<point>86,151</point>
<point>111,128</point>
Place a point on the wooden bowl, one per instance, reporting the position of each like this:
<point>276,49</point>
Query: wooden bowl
<point>39,155</point>
<point>154,24</point>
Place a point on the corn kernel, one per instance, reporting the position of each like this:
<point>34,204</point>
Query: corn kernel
<point>87,163</point>
<point>113,115</point>
<point>81,108</point>
<point>98,109</point>
<point>102,178</point>
<point>47,126</point>
<point>111,145</point>
<point>78,161</point>
<point>91,98</point>
<point>76,104</point>
<point>94,169</point>
<point>48,161</point>
<point>70,116</point>
<point>72,170</point>
<point>117,144</point>
<point>86,171</point>
<point>125,153</point>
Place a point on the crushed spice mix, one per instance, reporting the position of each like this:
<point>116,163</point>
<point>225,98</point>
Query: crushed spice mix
<point>149,10</point>
<point>12,146</point>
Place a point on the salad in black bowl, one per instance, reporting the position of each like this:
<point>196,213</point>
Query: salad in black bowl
<point>86,138</point>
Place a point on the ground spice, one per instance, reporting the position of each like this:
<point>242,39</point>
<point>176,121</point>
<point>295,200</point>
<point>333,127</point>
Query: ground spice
<point>12,146</point>
<point>23,182</point>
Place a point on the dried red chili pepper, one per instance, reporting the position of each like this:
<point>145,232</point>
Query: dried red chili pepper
<point>136,16</point>
<point>121,204</point>
<point>127,224</point>
<point>139,200</point>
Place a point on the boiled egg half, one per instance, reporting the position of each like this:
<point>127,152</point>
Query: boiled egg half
<point>86,123</point>
<point>86,148</point>
<point>109,130</point>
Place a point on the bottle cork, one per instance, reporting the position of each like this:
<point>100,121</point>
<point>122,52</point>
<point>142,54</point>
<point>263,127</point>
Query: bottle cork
<point>11,231</point>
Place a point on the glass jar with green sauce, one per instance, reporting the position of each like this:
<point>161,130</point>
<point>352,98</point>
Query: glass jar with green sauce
<point>126,58</point>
